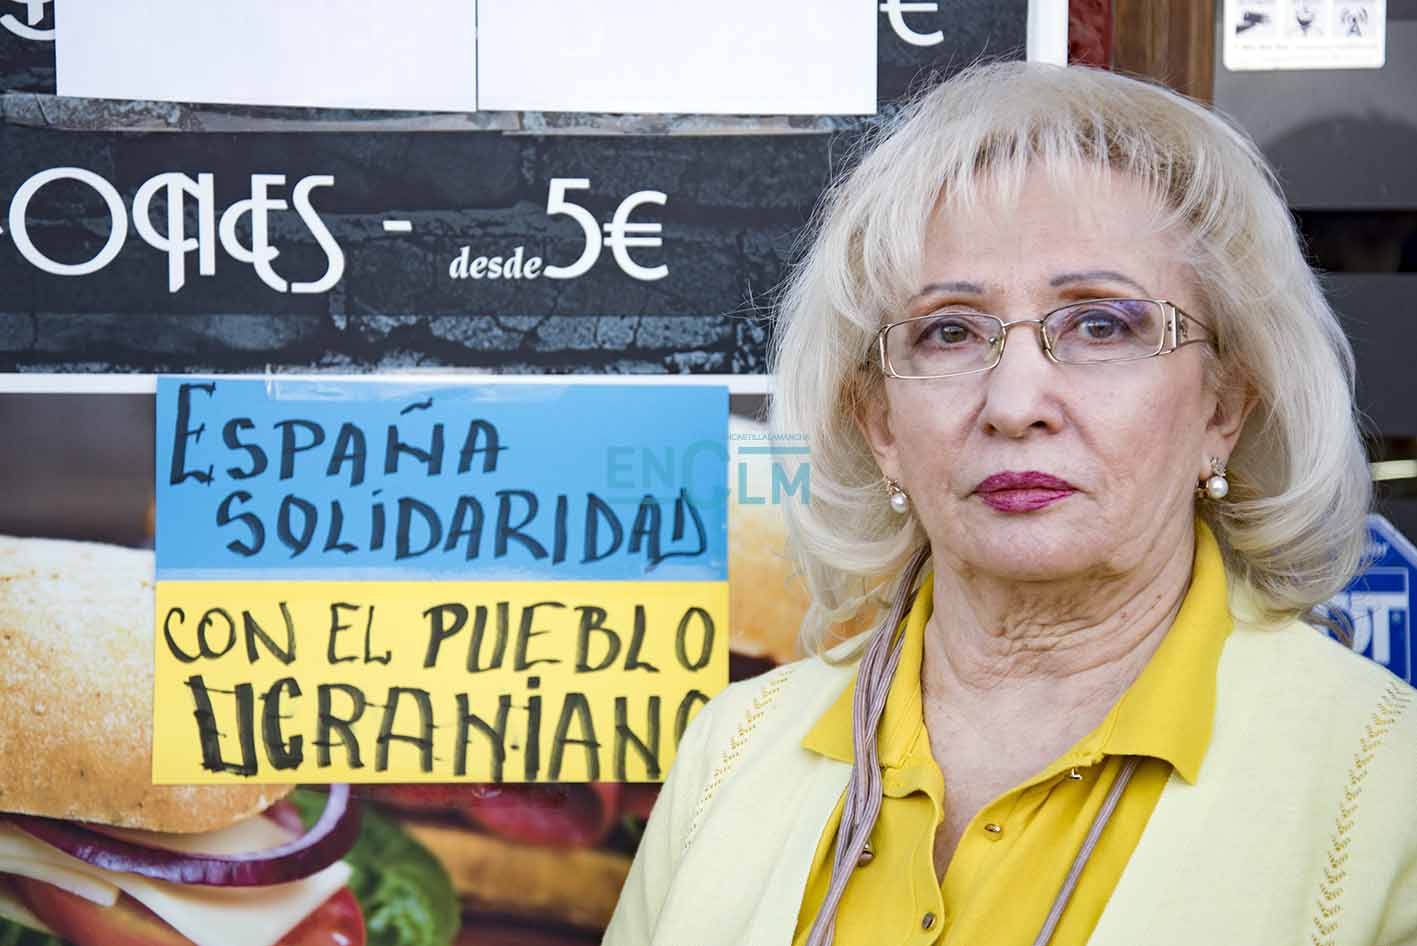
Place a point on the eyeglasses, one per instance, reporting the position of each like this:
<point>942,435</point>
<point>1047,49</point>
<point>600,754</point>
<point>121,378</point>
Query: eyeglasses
<point>957,340</point>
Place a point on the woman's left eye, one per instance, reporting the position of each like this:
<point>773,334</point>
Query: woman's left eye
<point>1096,324</point>
<point>1101,326</point>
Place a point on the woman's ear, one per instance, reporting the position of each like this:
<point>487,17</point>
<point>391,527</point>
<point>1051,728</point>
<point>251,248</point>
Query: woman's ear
<point>1233,405</point>
<point>872,414</point>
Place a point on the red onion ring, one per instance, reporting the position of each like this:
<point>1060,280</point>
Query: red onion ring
<point>328,840</point>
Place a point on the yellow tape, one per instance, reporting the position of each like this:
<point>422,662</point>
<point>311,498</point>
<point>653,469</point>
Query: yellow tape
<point>431,681</point>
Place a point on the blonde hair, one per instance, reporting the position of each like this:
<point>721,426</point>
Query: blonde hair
<point>1292,527</point>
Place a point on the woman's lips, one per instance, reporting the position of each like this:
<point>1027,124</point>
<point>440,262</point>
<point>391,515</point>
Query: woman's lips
<point>1012,491</point>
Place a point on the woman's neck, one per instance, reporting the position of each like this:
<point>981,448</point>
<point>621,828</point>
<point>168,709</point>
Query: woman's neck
<point>1075,642</point>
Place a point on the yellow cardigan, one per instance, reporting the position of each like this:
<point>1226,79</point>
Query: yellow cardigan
<point>1300,829</point>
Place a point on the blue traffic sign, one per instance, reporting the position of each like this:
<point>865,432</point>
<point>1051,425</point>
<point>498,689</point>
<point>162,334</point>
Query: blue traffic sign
<point>1376,607</point>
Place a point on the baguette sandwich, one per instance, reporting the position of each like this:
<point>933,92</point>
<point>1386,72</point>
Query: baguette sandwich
<point>93,854</point>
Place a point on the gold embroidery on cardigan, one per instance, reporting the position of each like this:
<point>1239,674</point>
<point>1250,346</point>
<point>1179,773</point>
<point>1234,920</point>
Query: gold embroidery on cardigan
<point>772,683</point>
<point>1329,903</point>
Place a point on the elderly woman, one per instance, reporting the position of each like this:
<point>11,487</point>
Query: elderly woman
<point>1067,377</point>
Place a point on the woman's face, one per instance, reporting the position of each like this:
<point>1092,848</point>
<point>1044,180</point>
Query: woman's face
<point>1129,441</point>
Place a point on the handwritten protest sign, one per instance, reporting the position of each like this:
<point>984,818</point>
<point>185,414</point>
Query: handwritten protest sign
<point>386,582</point>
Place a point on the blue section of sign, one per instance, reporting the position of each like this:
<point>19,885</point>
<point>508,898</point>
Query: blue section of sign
<point>414,481</point>
<point>1376,607</point>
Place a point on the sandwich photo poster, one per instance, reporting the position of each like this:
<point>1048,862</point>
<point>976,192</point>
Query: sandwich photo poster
<point>313,613</point>
<point>384,483</point>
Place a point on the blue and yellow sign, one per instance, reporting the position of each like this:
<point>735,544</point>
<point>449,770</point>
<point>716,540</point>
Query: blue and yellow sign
<point>392,582</point>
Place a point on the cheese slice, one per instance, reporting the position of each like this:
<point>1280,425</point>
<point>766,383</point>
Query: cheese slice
<point>208,916</point>
<point>251,916</point>
<point>252,834</point>
<point>28,856</point>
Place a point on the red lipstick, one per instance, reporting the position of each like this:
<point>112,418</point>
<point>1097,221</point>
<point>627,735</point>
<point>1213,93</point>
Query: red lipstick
<point>1025,491</point>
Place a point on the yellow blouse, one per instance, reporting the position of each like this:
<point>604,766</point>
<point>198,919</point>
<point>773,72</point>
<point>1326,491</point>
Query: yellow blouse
<point>1012,858</point>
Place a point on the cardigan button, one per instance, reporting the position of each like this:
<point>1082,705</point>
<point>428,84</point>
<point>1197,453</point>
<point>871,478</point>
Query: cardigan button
<point>927,921</point>
<point>867,855</point>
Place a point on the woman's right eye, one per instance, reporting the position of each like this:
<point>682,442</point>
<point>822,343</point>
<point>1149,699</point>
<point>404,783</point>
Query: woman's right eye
<point>947,332</point>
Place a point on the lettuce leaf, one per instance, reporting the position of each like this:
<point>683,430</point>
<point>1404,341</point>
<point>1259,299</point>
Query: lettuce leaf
<point>13,934</point>
<point>403,890</point>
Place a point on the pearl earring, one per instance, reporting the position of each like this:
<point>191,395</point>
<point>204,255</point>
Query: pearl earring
<point>900,502</point>
<point>1217,486</point>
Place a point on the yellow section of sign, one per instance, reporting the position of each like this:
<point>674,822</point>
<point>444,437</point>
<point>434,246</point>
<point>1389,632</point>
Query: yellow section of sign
<point>279,681</point>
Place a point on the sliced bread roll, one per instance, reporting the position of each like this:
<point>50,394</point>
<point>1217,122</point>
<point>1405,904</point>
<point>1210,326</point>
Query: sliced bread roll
<point>76,694</point>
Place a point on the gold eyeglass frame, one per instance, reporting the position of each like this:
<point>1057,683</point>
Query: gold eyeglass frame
<point>1174,316</point>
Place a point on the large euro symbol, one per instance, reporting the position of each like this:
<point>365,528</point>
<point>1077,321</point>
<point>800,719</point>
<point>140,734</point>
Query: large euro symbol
<point>34,13</point>
<point>618,230</point>
<point>895,10</point>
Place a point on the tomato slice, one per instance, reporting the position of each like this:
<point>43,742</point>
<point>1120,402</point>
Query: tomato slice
<point>555,814</point>
<point>337,922</point>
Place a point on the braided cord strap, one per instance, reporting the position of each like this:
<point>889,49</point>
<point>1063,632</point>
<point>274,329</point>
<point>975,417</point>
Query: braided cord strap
<point>863,792</point>
<point>1089,844</point>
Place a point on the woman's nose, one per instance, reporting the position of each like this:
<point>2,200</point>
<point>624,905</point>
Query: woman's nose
<point>1021,392</point>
